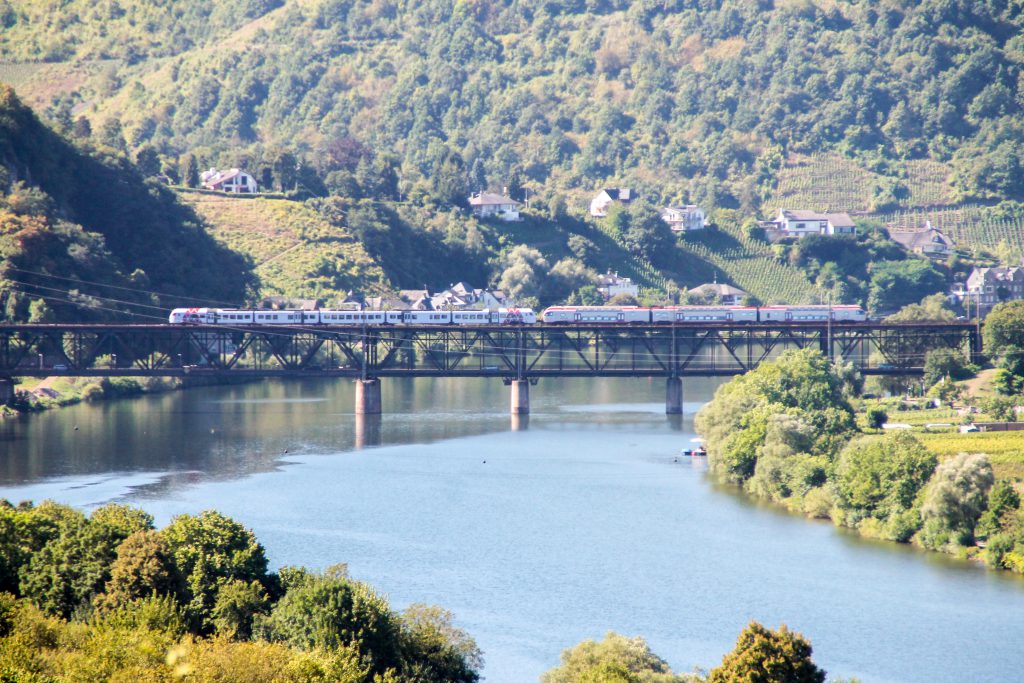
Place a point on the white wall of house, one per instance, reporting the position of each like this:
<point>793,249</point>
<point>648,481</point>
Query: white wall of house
<point>508,212</point>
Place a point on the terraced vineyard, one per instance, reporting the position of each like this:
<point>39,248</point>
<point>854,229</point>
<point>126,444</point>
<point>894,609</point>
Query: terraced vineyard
<point>823,183</point>
<point>831,182</point>
<point>751,267</point>
<point>295,252</point>
<point>970,226</point>
<point>928,182</point>
<point>636,268</point>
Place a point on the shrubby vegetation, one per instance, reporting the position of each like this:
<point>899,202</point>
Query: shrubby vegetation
<point>785,432</point>
<point>108,597</point>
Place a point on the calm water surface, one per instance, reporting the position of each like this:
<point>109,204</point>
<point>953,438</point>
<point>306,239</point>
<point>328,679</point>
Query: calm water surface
<point>536,535</point>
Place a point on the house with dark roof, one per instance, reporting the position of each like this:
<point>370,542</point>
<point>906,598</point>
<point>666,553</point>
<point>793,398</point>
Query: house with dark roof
<point>493,205</point>
<point>232,180</point>
<point>800,223</point>
<point>926,241</point>
<point>610,195</point>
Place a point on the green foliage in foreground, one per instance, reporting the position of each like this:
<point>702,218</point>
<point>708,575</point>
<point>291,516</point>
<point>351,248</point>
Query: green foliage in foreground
<point>761,655</point>
<point>784,432</point>
<point>108,597</point>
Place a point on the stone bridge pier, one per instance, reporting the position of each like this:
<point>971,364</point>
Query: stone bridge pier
<point>674,396</point>
<point>368,397</point>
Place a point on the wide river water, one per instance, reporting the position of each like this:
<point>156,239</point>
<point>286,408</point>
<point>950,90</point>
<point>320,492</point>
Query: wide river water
<point>583,520</point>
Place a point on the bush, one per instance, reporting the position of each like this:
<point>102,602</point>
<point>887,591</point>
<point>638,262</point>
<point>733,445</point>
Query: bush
<point>877,417</point>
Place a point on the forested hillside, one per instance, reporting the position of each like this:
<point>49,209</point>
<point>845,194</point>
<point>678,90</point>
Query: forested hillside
<point>84,235</point>
<point>696,99</point>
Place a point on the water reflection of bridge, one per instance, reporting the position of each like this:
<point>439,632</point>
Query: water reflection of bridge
<point>519,355</point>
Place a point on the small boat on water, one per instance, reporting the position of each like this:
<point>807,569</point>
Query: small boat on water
<point>695,452</point>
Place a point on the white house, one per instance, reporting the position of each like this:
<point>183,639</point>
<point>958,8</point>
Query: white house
<point>610,284</point>
<point>684,218</point>
<point>926,241</point>
<point>798,223</point>
<point>606,197</point>
<point>490,204</point>
<point>727,295</point>
<point>232,180</point>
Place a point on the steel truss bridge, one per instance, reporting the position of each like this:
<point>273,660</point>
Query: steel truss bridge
<point>509,352</point>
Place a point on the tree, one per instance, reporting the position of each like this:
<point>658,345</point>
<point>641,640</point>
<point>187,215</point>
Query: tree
<point>768,656</point>
<point>69,570</point>
<point>144,567</point>
<point>329,612</point>
<point>1004,328</point>
<point>208,550</point>
<point>877,417</point>
<point>191,171</point>
<point>524,274</point>
<point>613,659</point>
<point>40,312</point>
<point>237,606</point>
<point>646,234</point>
<point>931,309</point>
<point>623,299</point>
<point>82,129</point>
<point>895,284</point>
<point>954,499</point>
<point>735,423</point>
<point>879,478</point>
<point>112,135</point>
<point>440,650</point>
<point>148,162</point>
<point>1001,510</point>
<point>945,364</point>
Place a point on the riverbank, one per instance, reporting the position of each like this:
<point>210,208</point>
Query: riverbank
<point>33,395</point>
<point>38,394</point>
<point>901,470</point>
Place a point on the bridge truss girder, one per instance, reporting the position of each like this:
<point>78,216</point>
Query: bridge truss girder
<point>510,352</point>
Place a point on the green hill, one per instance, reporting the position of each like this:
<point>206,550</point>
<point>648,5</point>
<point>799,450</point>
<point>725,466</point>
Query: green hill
<point>82,230</point>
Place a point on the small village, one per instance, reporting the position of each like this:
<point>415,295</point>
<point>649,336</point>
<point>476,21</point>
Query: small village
<point>983,287</point>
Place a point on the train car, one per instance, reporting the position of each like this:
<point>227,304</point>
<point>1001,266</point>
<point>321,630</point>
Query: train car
<point>596,314</point>
<point>714,313</point>
<point>196,316</point>
<point>514,316</point>
<point>812,313</point>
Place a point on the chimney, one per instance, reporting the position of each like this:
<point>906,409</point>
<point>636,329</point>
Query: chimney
<point>504,190</point>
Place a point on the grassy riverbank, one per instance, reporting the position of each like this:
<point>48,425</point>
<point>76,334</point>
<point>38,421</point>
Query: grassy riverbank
<point>35,394</point>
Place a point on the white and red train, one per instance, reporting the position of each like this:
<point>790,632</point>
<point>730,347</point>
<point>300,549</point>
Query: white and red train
<point>556,315</point>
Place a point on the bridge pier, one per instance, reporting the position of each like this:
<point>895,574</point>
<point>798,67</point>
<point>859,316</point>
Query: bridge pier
<point>520,397</point>
<point>368,397</point>
<point>674,396</point>
<point>6,390</point>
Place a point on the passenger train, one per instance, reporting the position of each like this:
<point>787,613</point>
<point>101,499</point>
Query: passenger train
<point>556,315</point>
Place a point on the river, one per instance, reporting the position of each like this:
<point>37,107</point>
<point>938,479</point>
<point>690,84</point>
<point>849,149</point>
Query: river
<point>581,521</point>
